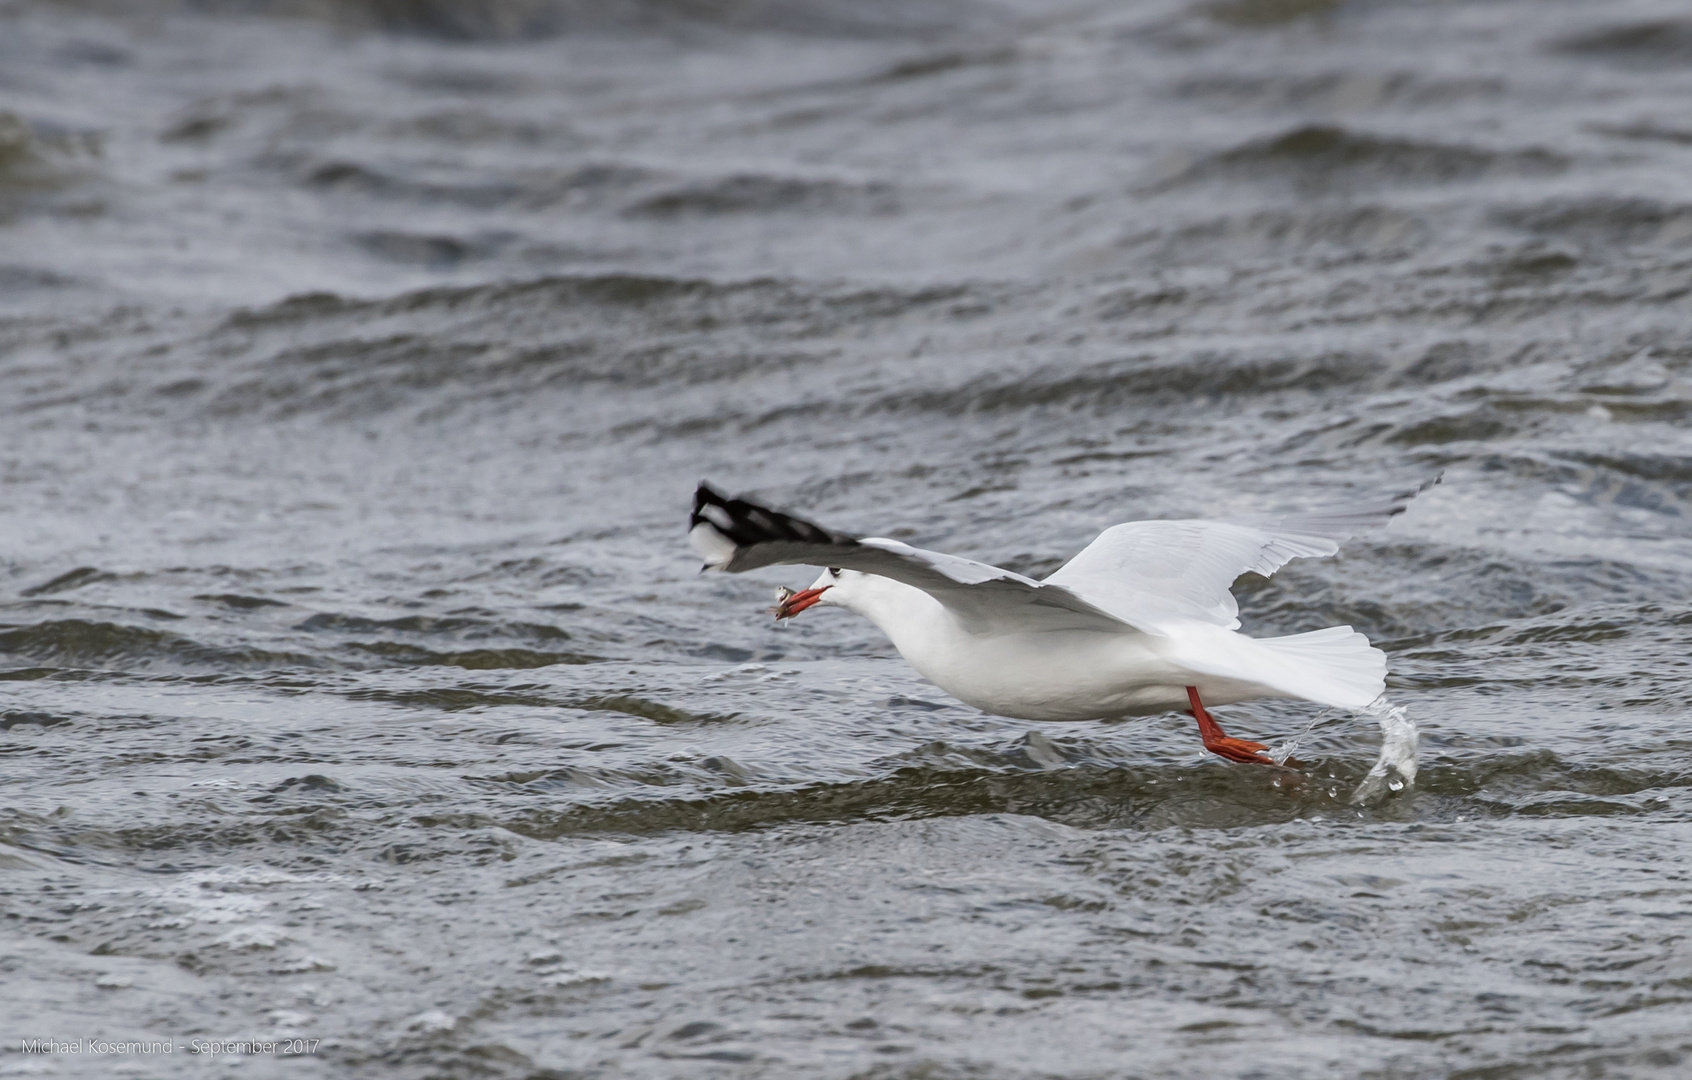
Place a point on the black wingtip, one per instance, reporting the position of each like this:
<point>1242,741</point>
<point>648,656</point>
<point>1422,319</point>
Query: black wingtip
<point>746,523</point>
<point>704,495</point>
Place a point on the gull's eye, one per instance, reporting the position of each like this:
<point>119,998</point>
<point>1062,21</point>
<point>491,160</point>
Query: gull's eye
<point>834,571</point>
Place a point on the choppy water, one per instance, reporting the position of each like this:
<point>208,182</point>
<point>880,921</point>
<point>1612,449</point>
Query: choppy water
<point>356,364</point>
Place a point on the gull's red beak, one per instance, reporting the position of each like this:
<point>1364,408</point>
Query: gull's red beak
<point>790,603</point>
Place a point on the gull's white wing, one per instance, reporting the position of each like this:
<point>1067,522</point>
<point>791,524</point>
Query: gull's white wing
<point>736,535</point>
<point>1152,574</point>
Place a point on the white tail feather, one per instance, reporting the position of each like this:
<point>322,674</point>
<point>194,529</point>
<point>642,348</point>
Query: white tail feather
<point>1336,666</point>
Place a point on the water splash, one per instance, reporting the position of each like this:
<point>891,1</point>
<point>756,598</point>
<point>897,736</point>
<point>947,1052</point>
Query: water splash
<point>1282,752</point>
<point>1395,769</point>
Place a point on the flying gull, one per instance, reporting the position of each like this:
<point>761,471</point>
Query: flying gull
<point>1141,621</point>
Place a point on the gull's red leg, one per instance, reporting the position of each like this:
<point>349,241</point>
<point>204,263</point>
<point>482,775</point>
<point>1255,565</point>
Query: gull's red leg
<point>1219,742</point>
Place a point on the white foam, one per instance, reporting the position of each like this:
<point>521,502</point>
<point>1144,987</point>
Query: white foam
<point>1398,751</point>
<point>1280,753</point>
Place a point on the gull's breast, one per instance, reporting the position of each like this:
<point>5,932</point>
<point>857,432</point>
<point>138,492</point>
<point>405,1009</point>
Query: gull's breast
<point>1045,675</point>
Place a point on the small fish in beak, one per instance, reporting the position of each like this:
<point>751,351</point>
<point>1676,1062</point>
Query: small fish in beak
<point>790,603</point>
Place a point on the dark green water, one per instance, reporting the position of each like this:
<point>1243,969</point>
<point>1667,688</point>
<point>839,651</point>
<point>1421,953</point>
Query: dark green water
<point>357,361</point>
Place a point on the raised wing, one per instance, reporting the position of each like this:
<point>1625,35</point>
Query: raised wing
<point>1151,574</point>
<point>736,535</point>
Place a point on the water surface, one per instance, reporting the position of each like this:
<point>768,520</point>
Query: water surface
<point>357,361</point>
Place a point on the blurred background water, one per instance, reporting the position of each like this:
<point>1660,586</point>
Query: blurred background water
<point>357,360</point>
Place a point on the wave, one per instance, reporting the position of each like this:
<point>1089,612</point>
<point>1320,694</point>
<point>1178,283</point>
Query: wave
<point>460,698</point>
<point>470,659</point>
<point>1265,14</point>
<point>1098,796</point>
<point>437,626</point>
<point>36,161</point>
<point>662,302</point>
<point>82,643</point>
<point>476,696</point>
<point>941,63</point>
<point>520,20</point>
<point>414,249</point>
<point>1142,379</point>
<point>1605,221</point>
<point>72,643</point>
<point>1322,159</point>
<point>1326,91</point>
<point>1377,232</point>
<point>11,718</point>
<point>751,193</point>
<point>25,160</point>
<point>1663,42</point>
<point>324,353</point>
<point>1541,784</point>
<point>434,629</point>
<point>69,580</point>
<point>238,602</point>
<point>1673,471</point>
<point>533,190</point>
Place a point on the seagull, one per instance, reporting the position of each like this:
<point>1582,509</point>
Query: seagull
<point>1142,621</point>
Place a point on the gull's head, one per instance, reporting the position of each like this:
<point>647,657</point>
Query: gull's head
<point>827,589</point>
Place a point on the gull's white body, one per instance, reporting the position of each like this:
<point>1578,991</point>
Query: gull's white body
<point>1124,628</point>
<point>1090,674</point>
